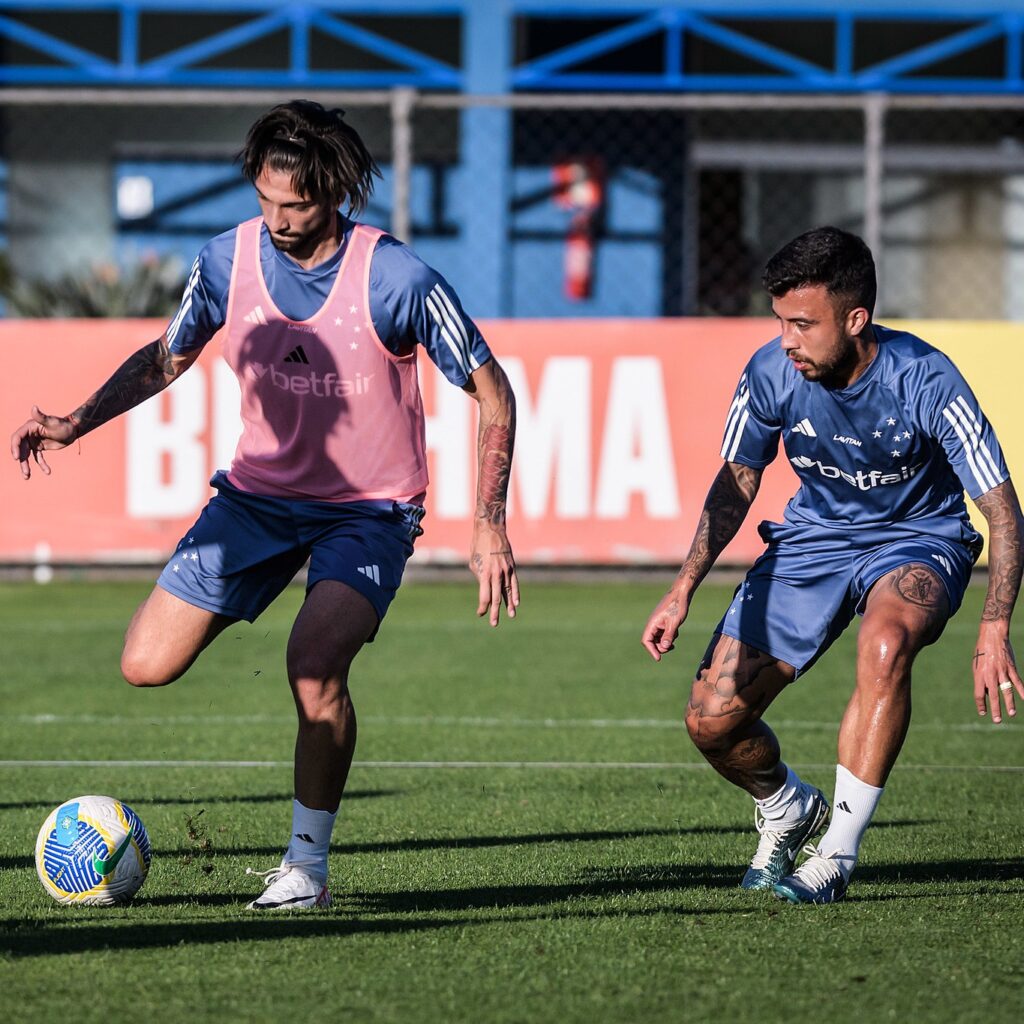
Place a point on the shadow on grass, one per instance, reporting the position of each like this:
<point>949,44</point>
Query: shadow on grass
<point>188,799</point>
<point>273,853</point>
<point>994,869</point>
<point>19,939</point>
<point>473,842</point>
<point>597,884</point>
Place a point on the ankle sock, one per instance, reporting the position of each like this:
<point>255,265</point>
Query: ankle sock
<point>852,810</point>
<point>310,840</point>
<point>789,803</point>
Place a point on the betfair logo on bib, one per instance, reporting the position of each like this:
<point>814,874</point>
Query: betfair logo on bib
<point>861,480</point>
<point>328,385</point>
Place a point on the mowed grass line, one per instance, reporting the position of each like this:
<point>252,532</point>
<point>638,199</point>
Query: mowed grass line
<point>493,894</point>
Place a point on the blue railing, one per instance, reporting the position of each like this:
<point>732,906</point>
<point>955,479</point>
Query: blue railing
<point>66,63</point>
<point>990,32</point>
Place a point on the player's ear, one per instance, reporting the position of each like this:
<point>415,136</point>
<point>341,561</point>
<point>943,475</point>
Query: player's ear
<point>857,320</point>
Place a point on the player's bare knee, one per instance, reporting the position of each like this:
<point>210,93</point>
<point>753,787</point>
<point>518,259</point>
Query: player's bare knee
<point>139,670</point>
<point>320,698</point>
<point>710,724</point>
<point>885,648</point>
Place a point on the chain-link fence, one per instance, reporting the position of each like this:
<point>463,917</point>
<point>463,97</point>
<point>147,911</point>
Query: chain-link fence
<point>537,206</point>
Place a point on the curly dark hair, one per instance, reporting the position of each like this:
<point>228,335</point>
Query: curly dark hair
<point>325,156</point>
<point>839,260</point>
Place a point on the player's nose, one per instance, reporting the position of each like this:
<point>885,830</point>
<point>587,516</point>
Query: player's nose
<point>276,221</point>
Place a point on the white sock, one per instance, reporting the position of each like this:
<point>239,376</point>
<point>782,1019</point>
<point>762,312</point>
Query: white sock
<point>852,809</point>
<point>788,804</point>
<point>311,837</point>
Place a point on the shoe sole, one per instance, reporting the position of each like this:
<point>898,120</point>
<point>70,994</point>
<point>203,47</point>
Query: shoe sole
<point>323,899</point>
<point>787,895</point>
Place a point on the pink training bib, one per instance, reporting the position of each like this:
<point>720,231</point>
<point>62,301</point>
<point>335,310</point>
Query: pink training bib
<point>328,412</point>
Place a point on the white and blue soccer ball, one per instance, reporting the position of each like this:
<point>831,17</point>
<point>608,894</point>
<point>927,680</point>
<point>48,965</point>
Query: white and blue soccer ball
<point>92,850</point>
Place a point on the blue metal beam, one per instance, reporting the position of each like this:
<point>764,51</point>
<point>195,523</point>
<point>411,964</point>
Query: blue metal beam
<point>942,49</point>
<point>213,46</point>
<point>86,61</point>
<point>675,22</point>
<point>387,49</point>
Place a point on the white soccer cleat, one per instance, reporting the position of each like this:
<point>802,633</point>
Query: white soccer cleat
<point>289,887</point>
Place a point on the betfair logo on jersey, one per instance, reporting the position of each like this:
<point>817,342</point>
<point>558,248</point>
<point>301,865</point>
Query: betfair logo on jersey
<point>861,480</point>
<point>328,385</point>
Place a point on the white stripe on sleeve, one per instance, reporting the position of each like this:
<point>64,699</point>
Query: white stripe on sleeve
<point>980,474</point>
<point>986,455</point>
<point>736,414</point>
<point>446,334</point>
<point>739,433</point>
<point>186,303</point>
<point>455,322</point>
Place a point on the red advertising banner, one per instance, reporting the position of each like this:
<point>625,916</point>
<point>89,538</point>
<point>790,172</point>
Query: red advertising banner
<point>619,433</point>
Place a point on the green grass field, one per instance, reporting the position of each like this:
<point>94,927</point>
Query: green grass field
<point>580,865</point>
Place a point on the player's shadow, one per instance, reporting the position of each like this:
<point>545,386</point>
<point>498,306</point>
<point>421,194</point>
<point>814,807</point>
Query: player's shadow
<point>20,939</point>
<point>611,883</point>
<point>279,371</point>
<point>480,842</point>
<point>138,802</point>
<point>990,869</point>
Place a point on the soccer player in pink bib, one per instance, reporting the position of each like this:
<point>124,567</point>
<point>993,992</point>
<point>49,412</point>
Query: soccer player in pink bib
<point>321,320</point>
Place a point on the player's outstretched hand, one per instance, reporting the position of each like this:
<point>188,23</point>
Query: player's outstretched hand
<point>996,678</point>
<point>662,627</point>
<point>41,433</point>
<point>494,566</point>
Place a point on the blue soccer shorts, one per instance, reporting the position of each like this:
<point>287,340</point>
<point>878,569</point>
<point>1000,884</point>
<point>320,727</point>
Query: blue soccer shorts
<point>246,548</point>
<point>801,594</point>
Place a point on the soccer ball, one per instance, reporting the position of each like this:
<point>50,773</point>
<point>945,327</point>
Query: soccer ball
<point>92,850</point>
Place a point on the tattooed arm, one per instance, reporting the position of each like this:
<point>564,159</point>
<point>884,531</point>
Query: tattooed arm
<point>994,663</point>
<point>725,508</point>
<point>491,557</point>
<point>140,376</point>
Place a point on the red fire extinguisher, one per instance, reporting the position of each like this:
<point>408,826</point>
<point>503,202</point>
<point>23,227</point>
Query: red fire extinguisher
<point>580,187</point>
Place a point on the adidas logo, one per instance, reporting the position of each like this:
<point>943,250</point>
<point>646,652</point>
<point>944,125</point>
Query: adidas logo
<point>372,571</point>
<point>257,316</point>
<point>944,562</point>
<point>804,427</point>
<point>296,356</point>
<point>304,836</point>
<point>843,806</point>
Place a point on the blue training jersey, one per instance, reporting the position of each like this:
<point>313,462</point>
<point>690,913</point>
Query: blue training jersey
<point>410,303</point>
<point>892,453</point>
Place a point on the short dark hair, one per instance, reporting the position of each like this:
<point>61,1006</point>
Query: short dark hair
<point>325,156</point>
<point>839,260</point>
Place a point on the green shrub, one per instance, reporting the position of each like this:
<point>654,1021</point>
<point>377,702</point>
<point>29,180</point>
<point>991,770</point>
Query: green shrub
<point>150,287</point>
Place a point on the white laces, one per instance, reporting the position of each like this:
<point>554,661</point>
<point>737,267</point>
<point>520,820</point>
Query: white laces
<point>271,876</point>
<point>820,869</point>
<point>766,846</point>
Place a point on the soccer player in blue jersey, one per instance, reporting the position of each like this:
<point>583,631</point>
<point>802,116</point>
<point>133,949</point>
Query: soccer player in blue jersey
<point>322,318</point>
<point>885,436</point>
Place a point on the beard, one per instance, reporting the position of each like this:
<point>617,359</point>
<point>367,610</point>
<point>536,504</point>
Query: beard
<point>301,244</point>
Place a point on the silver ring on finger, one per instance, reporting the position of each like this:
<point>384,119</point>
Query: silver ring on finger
<point>1005,685</point>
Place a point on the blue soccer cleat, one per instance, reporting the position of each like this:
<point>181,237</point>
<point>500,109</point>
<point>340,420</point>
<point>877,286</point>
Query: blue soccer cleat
<point>779,844</point>
<point>817,880</point>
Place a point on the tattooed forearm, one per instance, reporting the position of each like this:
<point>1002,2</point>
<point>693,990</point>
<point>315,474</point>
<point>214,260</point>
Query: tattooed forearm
<point>495,442</point>
<point>1006,551</point>
<point>725,508</point>
<point>495,456</point>
<point>140,376</point>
